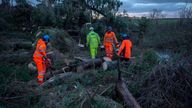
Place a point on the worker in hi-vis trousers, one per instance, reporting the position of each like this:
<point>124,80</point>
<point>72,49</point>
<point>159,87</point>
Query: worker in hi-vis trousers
<point>93,41</point>
<point>125,48</point>
<point>40,57</point>
<point>110,40</point>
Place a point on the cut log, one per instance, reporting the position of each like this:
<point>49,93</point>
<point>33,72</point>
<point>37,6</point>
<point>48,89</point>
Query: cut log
<point>109,65</point>
<point>88,64</point>
<point>51,73</point>
<point>125,95</point>
<point>32,67</point>
<point>81,59</point>
<point>81,46</point>
<point>18,57</point>
<point>106,59</point>
<point>16,45</point>
<point>22,45</point>
<point>16,54</point>
<point>58,79</point>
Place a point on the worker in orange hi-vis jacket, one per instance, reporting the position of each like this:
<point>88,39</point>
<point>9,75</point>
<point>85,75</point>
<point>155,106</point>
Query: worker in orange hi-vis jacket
<point>110,40</point>
<point>40,57</point>
<point>125,48</point>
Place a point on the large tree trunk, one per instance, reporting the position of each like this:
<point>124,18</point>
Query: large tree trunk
<point>86,64</point>
<point>52,72</point>
<point>89,64</point>
<point>123,92</point>
<point>18,57</point>
<point>58,79</point>
<point>109,65</point>
<point>14,46</point>
<point>125,95</point>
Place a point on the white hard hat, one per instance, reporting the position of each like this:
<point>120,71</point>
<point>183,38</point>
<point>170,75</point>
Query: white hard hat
<point>91,28</point>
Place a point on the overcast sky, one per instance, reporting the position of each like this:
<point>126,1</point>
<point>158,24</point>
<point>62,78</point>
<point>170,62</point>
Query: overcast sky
<point>143,7</point>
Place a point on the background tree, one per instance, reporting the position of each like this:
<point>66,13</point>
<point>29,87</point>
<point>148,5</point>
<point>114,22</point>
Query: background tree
<point>5,3</point>
<point>155,14</point>
<point>143,24</point>
<point>185,14</point>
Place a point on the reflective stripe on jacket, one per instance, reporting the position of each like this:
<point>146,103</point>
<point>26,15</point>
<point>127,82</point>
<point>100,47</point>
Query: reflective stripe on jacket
<point>93,39</point>
<point>40,50</point>
<point>110,38</point>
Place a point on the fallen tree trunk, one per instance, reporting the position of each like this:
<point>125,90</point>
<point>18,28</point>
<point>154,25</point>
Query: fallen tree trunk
<point>18,57</point>
<point>125,95</point>
<point>71,67</point>
<point>88,64</point>
<point>58,79</point>
<point>16,54</point>
<point>123,92</point>
<point>17,45</point>
<point>109,65</point>
<point>22,45</point>
<point>52,72</point>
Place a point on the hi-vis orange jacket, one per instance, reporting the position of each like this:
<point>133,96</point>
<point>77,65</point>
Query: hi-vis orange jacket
<point>110,39</point>
<point>38,58</point>
<point>126,47</point>
<point>40,51</point>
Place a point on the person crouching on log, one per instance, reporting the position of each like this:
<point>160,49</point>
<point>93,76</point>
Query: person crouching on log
<point>93,41</point>
<point>40,57</point>
<point>110,40</point>
<point>125,48</point>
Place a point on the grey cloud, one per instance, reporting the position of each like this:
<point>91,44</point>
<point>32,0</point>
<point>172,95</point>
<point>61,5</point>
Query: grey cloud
<point>169,7</point>
<point>142,7</point>
<point>148,5</point>
<point>159,1</point>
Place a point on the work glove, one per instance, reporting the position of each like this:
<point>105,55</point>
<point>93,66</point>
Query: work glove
<point>44,58</point>
<point>101,46</point>
<point>117,46</point>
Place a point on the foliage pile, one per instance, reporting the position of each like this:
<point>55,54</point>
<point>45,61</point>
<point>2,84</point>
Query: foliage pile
<point>167,86</point>
<point>75,95</point>
<point>160,84</point>
<point>14,91</point>
<point>89,89</point>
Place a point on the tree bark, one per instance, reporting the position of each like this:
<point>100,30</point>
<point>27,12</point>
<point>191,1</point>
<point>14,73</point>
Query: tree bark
<point>89,64</point>
<point>125,95</point>
<point>52,72</point>
<point>17,45</point>
<point>18,57</point>
<point>58,79</point>
<point>109,65</point>
<point>86,64</point>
